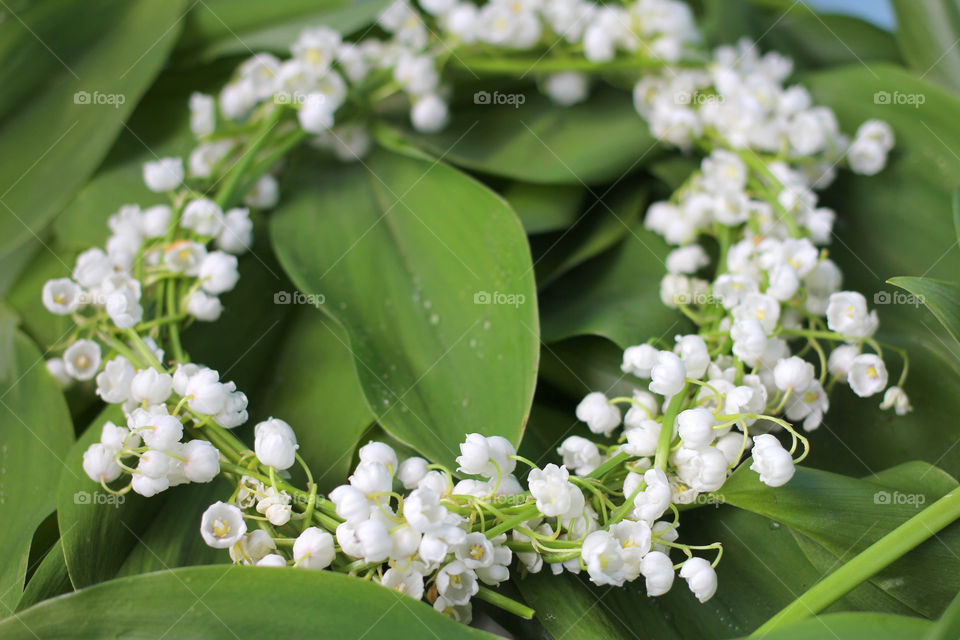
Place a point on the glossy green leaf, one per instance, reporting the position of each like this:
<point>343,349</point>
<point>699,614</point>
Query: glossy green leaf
<point>896,223</point>
<point>616,295</point>
<point>231,27</point>
<point>853,626</point>
<point>36,433</point>
<point>235,603</point>
<point>50,579</point>
<point>408,268</point>
<point>314,387</point>
<point>942,298</point>
<point>927,34</point>
<point>948,626</point>
<point>544,208</point>
<point>583,364</point>
<point>845,515</point>
<point>590,143</point>
<point>607,220</point>
<point>67,126</point>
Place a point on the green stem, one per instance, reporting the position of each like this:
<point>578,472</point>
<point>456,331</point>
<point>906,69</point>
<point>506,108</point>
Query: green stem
<point>527,514</point>
<point>174,329</point>
<point>507,604</point>
<point>276,153</point>
<point>142,348</point>
<point>228,190</point>
<point>874,558</point>
<point>525,65</point>
<point>612,463</point>
<point>666,429</point>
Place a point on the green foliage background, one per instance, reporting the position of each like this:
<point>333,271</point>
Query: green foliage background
<point>537,201</point>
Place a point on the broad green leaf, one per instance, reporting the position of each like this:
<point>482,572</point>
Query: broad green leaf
<point>956,214</point>
<point>231,27</point>
<point>892,224</point>
<point>314,387</point>
<point>50,579</point>
<point>544,208</point>
<point>47,329</point>
<point>927,34</point>
<point>583,364</point>
<point>948,626</point>
<point>235,603</point>
<point>69,123</point>
<point>35,432</point>
<point>852,626</point>
<point>12,264</point>
<point>846,515</point>
<point>419,269</point>
<point>158,127</point>
<point>673,170</point>
<point>616,295</point>
<point>590,143</point>
<point>942,298</point>
<point>606,221</point>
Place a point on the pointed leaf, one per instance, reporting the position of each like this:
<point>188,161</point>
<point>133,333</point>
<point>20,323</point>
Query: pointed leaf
<point>235,603</point>
<point>35,435</point>
<point>416,269</point>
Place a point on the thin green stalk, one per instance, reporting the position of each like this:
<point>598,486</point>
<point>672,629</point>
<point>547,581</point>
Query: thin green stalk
<point>228,190</point>
<point>528,514</point>
<point>507,604</point>
<point>666,429</point>
<point>874,558</point>
<point>526,65</point>
<point>612,463</point>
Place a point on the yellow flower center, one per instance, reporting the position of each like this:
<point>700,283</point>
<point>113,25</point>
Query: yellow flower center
<point>220,528</point>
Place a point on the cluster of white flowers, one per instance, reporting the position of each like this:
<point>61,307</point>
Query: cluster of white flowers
<point>150,245</point>
<point>323,68</point>
<point>411,528</point>
<point>739,101</point>
<point>159,406</point>
<point>773,299</point>
<point>610,509</point>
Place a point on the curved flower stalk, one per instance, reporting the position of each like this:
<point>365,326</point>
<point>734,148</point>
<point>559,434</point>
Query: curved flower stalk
<point>611,509</point>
